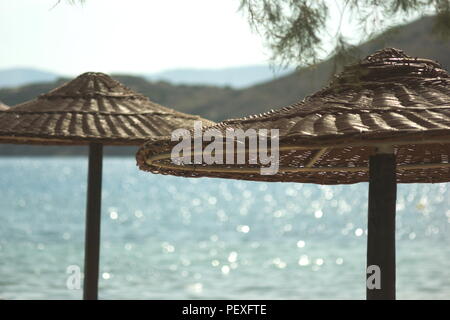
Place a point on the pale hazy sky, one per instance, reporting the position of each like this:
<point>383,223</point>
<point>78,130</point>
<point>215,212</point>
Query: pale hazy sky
<point>134,36</point>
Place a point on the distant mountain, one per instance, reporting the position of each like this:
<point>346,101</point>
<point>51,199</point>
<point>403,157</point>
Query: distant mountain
<point>181,97</point>
<point>219,103</point>
<point>20,76</point>
<point>416,39</point>
<point>238,77</point>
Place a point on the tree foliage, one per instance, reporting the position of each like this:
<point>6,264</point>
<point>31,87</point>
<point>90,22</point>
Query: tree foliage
<point>301,32</point>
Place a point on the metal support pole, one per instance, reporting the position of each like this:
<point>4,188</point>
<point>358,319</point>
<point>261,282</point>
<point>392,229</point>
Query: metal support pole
<point>381,226</point>
<point>93,220</point>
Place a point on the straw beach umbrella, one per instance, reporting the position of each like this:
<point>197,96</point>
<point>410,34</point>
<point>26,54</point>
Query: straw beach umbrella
<point>385,120</point>
<point>92,110</point>
<point>3,106</point>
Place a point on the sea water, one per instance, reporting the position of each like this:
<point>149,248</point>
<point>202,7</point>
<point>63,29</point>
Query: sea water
<point>168,237</point>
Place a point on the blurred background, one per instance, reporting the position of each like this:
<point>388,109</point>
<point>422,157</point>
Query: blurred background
<point>167,237</point>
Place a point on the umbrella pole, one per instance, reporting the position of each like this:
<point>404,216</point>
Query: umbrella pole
<point>380,272</point>
<point>93,219</point>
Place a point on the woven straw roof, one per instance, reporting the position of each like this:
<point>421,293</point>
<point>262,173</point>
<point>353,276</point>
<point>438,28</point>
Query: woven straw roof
<point>388,98</point>
<point>91,108</point>
<point>3,106</point>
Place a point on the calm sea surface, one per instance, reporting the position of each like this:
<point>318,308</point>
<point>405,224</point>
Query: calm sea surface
<point>175,238</point>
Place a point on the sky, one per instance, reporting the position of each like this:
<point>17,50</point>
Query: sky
<point>132,36</point>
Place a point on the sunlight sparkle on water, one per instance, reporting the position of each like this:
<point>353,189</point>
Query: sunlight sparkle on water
<point>243,228</point>
<point>304,260</point>
<point>359,232</point>
<point>301,244</point>
<point>225,269</point>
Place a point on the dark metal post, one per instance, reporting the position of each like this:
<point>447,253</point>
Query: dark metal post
<point>93,219</point>
<point>381,225</point>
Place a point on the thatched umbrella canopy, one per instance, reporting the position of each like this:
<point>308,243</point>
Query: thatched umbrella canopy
<point>93,110</point>
<point>3,106</point>
<point>384,120</point>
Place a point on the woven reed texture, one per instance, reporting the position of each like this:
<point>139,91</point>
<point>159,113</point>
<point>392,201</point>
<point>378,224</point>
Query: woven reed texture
<point>91,108</point>
<point>388,98</point>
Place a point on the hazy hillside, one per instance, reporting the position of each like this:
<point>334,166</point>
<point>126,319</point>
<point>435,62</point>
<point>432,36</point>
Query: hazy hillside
<point>219,103</point>
<point>21,76</point>
<point>181,97</point>
<point>239,77</point>
<point>415,39</point>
